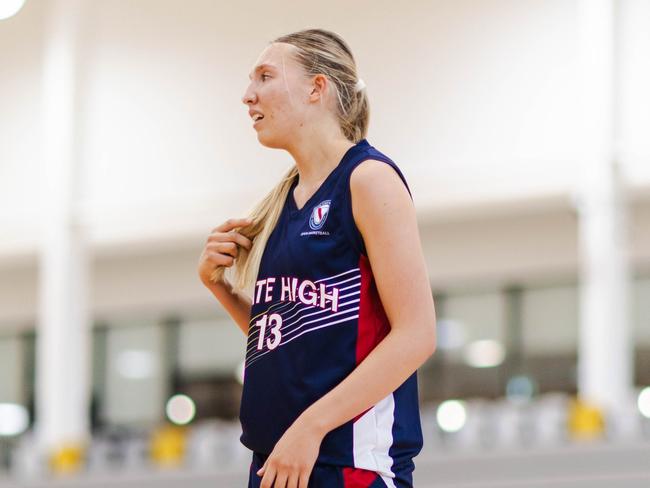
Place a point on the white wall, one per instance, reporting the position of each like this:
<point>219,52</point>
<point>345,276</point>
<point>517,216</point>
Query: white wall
<point>475,100</point>
<point>21,45</point>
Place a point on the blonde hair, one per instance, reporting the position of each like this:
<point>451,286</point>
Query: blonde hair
<point>318,52</point>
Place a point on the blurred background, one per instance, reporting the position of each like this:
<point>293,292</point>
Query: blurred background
<point>522,127</point>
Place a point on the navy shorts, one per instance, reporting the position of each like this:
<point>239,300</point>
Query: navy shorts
<point>330,476</point>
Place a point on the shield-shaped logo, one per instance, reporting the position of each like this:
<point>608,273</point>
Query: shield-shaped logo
<point>319,215</point>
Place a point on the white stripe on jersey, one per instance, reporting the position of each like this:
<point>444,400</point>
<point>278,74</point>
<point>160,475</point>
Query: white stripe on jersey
<point>372,439</point>
<point>335,276</point>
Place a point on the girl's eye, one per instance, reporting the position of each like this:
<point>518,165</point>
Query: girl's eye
<point>264,76</point>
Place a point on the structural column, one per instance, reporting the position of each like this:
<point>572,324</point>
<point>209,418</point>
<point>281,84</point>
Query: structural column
<point>605,354</point>
<point>63,332</point>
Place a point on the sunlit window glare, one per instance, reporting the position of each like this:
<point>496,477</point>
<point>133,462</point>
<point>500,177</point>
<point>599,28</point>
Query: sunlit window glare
<point>451,415</point>
<point>180,409</point>
<point>136,364</point>
<point>9,8</point>
<point>14,419</point>
<point>644,402</point>
<point>484,354</point>
<point>451,334</point>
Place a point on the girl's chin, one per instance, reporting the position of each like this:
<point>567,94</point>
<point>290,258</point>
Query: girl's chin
<point>267,141</point>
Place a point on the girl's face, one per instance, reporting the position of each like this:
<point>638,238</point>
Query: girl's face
<point>279,90</point>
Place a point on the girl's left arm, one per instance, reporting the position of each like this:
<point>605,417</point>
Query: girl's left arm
<point>385,215</point>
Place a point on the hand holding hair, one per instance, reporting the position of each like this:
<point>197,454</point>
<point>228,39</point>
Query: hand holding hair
<point>224,244</point>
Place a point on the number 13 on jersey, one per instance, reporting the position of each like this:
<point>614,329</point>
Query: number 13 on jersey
<point>275,322</point>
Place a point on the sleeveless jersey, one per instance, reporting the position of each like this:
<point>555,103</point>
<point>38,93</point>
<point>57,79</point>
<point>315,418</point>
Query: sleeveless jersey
<point>316,315</point>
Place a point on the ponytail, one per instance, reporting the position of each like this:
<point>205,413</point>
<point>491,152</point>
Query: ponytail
<point>264,218</point>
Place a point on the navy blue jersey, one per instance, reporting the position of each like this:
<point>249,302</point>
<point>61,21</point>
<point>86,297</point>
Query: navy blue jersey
<point>316,315</point>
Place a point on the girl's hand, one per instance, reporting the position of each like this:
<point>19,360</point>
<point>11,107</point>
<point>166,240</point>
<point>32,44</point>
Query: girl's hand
<point>293,457</point>
<point>221,247</point>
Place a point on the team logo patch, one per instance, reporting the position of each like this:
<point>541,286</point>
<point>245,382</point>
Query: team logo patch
<point>319,215</point>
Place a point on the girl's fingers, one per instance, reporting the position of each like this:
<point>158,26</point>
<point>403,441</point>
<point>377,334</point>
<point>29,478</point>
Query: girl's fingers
<point>292,482</point>
<point>231,224</point>
<point>221,259</point>
<point>280,480</point>
<point>229,248</point>
<point>267,480</point>
<point>304,480</point>
<point>232,236</point>
<point>221,233</point>
<point>240,239</point>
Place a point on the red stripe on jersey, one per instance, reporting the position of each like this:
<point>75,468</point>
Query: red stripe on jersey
<point>358,478</point>
<point>373,324</point>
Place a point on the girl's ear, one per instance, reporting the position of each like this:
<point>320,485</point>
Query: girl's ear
<point>319,88</point>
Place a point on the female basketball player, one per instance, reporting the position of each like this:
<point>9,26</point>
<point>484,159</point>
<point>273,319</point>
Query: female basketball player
<point>340,314</point>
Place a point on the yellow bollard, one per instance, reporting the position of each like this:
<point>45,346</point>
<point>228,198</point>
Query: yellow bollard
<point>67,459</point>
<point>168,446</point>
<point>586,421</point>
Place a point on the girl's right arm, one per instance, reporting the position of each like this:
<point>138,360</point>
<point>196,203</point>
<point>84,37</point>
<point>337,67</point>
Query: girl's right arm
<point>221,250</point>
<point>237,304</point>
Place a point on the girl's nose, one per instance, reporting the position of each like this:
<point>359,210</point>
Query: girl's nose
<point>249,96</point>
